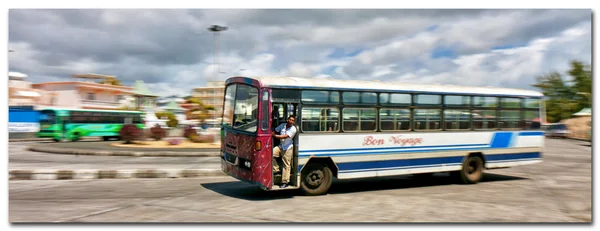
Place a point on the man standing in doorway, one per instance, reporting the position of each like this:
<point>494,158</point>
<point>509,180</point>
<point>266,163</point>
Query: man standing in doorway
<point>286,133</point>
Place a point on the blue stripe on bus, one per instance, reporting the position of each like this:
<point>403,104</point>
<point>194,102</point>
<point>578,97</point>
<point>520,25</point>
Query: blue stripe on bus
<point>403,167</point>
<point>427,162</point>
<point>498,157</point>
<point>398,163</point>
<point>501,140</point>
<point>531,133</point>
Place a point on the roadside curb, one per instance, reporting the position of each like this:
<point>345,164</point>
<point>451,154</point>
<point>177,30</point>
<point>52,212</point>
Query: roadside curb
<point>111,174</point>
<point>70,151</point>
<point>580,139</point>
<point>44,139</point>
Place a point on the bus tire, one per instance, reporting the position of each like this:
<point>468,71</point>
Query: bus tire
<point>106,138</point>
<point>56,139</point>
<point>472,170</point>
<point>316,179</point>
<point>75,136</point>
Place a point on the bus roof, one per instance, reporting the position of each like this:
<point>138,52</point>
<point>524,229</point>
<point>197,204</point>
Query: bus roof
<point>338,84</point>
<point>91,110</point>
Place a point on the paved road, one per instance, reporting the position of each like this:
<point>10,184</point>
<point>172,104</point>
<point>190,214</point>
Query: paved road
<point>20,158</point>
<point>557,190</point>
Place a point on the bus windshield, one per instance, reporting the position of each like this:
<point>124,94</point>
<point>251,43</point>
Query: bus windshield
<point>47,117</point>
<point>241,107</point>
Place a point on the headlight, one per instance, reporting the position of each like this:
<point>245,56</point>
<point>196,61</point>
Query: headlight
<point>247,164</point>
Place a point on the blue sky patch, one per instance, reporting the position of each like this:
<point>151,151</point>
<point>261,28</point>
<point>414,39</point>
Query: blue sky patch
<point>342,53</point>
<point>508,46</point>
<point>433,28</point>
<point>443,52</point>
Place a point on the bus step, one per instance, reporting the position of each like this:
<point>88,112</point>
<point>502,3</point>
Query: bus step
<point>276,187</point>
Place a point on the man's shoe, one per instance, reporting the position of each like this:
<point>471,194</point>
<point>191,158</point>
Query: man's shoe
<point>284,185</point>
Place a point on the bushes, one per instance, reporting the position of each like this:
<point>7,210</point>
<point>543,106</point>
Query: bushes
<point>130,132</point>
<point>188,131</point>
<point>201,138</point>
<point>157,133</point>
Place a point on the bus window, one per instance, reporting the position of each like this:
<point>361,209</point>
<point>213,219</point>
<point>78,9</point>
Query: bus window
<point>427,119</point>
<point>394,119</point>
<point>395,99</point>
<point>532,103</point>
<point>315,119</point>
<point>510,102</point>
<point>320,97</point>
<point>482,101</point>
<point>245,114</point>
<point>351,97</point>
<point>369,98</point>
<point>228,105</point>
<point>47,118</point>
<point>457,101</point>
<point>423,99</point>
<point>484,119</point>
<point>532,120</point>
<point>509,119</point>
<point>265,111</point>
<point>457,119</point>
<point>359,120</point>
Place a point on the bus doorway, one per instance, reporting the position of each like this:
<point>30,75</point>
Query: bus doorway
<point>280,113</point>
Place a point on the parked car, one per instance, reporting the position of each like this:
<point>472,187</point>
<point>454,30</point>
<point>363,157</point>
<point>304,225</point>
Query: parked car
<point>557,130</point>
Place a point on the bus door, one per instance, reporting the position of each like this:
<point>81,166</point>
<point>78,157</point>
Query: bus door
<point>281,111</point>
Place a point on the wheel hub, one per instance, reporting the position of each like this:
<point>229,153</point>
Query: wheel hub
<point>314,178</point>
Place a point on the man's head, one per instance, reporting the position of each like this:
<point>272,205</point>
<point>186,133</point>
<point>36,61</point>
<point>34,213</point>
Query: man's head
<point>291,119</point>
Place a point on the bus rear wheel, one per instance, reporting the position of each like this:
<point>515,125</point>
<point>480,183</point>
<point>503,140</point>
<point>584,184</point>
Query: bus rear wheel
<point>472,170</point>
<point>316,179</point>
<point>75,136</point>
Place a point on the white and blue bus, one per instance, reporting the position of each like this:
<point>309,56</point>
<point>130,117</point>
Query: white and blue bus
<point>355,129</point>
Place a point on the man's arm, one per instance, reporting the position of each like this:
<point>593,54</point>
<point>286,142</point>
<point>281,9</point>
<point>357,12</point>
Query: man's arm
<point>288,134</point>
<point>284,136</point>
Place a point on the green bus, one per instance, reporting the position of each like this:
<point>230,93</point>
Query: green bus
<point>72,124</point>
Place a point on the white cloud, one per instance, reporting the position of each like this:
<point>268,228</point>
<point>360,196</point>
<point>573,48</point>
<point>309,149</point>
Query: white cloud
<point>514,67</point>
<point>173,52</point>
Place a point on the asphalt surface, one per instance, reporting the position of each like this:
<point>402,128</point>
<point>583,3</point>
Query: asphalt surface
<point>557,190</point>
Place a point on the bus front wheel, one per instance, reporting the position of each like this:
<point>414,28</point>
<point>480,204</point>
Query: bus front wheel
<point>472,170</point>
<point>316,179</point>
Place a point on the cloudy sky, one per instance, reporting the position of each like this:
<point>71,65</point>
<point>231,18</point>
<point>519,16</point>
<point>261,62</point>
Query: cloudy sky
<point>173,52</point>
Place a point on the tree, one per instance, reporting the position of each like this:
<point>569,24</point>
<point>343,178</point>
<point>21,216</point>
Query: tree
<point>563,98</point>
<point>173,122</point>
<point>198,111</point>
<point>582,82</point>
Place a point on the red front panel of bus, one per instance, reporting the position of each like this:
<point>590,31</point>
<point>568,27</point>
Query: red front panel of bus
<point>239,147</point>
